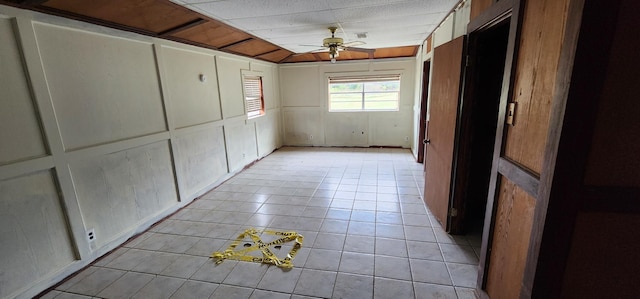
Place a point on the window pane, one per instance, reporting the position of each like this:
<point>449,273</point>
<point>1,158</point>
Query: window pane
<point>382,86</point>
<point>366,93</point>
<point>345,101</point>
<point>381,101</point>
<point>345,87</point>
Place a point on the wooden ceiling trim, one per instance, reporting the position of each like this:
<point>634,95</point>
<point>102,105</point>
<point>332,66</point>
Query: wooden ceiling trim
<point>212,33</point>
<point>151,15</point>
<point>182,27</point>
<point>252,47</point>
<point>405,51</point>
<point>240,42</point>
<point>276,56</point>
<point>267,52</point>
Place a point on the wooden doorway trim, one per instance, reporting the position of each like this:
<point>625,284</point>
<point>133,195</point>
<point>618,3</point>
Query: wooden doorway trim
<point>422,121</point>
<point>501,10</point>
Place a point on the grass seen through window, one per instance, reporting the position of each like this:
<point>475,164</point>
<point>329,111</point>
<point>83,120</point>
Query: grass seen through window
<point>379,94</point>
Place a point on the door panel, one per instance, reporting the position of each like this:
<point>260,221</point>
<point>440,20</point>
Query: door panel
<point>514,216</point>
<point>447,67</point>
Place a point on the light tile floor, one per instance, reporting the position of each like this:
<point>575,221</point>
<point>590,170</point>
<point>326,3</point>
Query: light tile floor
<point>367,234</point>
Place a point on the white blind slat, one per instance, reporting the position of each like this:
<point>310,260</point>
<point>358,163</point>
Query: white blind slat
<point>253,95</point>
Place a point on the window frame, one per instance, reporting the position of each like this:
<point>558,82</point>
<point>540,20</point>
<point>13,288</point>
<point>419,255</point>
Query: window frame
<point>363,78</point>
<point>249,77</point>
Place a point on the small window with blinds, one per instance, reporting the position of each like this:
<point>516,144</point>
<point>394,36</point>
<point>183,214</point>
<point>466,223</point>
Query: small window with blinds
<point>364,93</point>
<point>254,100</point>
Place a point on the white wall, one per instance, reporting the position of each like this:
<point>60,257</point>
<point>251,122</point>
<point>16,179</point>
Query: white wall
<point>306,119</point>
<point>453,26</point>
<point>110,131</point>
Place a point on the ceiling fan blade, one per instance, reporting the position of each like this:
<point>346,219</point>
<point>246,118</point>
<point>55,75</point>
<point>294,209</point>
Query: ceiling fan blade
<point>354,43</point>
<point>354,49</point>
<point>311,52</point>
<point>315,46</point>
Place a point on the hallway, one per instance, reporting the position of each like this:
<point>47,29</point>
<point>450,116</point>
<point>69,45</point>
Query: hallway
<point>367,234</point>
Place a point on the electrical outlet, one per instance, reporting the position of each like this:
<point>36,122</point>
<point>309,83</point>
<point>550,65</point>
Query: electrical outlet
<point>91,235</point>
<point>406,138</point>
<point>244,155</point>
<point>310,137</point>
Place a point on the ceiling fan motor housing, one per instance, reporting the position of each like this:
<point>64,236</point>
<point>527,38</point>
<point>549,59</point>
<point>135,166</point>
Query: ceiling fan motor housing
<point>332,41</point>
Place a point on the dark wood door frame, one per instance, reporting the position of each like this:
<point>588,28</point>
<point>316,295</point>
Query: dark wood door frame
<point>495,14</point>
<point>422,121</point>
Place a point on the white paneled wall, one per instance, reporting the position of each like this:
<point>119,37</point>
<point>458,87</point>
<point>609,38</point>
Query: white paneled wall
<point>306,118</point>
<point>110,131</point>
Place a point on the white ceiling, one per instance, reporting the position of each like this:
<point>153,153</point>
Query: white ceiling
<point>292,23</point>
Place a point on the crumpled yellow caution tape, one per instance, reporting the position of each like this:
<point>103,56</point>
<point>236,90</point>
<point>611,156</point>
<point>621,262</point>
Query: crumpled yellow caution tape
<point>268,257</point>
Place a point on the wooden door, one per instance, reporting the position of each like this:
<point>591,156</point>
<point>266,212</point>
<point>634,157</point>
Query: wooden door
<point>445,94</point>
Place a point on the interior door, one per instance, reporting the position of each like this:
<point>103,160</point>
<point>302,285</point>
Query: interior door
<point>440,141</point>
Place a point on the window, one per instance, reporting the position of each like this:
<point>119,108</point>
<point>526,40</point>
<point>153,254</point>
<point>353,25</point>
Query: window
<point>371,93</point>
<point>254,100</point>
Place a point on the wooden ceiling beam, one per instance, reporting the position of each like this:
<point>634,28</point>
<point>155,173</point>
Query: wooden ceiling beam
<point>268,52</point>
<point>237,43</point>
<point>181,27</point>
<point>286,58</point>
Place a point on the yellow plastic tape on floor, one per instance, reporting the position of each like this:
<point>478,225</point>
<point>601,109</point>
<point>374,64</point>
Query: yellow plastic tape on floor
<point>268,256</point>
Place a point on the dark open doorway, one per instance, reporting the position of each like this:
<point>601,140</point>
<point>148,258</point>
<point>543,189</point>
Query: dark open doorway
<point>477,121</point>
<point>422,122</point>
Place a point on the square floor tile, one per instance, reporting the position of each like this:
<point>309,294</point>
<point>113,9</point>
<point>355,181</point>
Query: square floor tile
<point>156,262</point>
<point>419,233</point>
<point>459,254</point>
<point>329,241</point>
<point>392,267</point>
<point>430,272</point>
<point>227,291</point>
<point>212,272</point>
<point>357,263</point>
<point>95,282</point>
<point>184,266</point>
<point>391,247</point>
<point>334,226</point>
<point>161,287</point>
<point>78,277</point>
<point>195,290</point>
<point>323,259</point>
<point>428,291</point>
<point>385,288</point>
<point>393,231</point>
<point>353,286</point>
<point>280,280</point>
<point>465,293</point>
<point>263,294</point>
<point>316,283</point>
<point>126,286</point>
<point>424,250</point>
<point>362,228</point>
<point>246,274</point>
<point>340,214</point>
<point>362,244</point>
<point>463,275</point>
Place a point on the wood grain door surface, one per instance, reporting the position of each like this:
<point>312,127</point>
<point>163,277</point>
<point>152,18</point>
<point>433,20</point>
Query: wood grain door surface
<point>445,94</point>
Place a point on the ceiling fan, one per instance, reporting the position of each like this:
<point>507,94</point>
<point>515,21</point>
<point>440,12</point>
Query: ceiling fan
<point>334,45</point>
